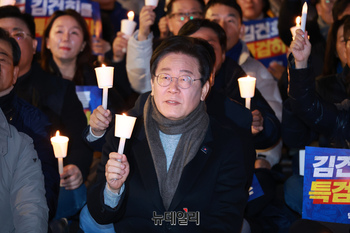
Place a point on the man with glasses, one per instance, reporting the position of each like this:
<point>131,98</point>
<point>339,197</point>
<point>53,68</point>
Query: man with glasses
<point>183,81</point>
<point>228,15</point>
<point>55,96</point>
<point>140,45</point>
<point>22,192</point>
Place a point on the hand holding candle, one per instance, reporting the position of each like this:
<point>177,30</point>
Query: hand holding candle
<point>60,145</point>
<point>104,76</point>
<point>304,17</point>
<point>124,126</point>
<point>247,89</point>
<point>128,25</point>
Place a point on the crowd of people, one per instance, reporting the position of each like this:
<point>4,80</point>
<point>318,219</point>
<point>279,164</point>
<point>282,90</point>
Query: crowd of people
<point>195,150</point>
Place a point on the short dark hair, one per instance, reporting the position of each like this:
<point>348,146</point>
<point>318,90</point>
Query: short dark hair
<point>230,3</point>
<point>194,47</point>
<point>13,12</point>
<point>338,8</point>
<point>16,51</point>
<point>194,25</point>
<point>169,7</point>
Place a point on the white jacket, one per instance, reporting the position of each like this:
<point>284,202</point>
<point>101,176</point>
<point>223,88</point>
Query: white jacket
<point>22,193</point>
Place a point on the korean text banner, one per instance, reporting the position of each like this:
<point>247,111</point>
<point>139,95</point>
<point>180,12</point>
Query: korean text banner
<point>41,10</point>
<point>326,192</point>
<point>261,37</point>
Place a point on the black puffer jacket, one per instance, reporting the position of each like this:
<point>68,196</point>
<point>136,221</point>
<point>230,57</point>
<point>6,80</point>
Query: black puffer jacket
<point>331,120</point>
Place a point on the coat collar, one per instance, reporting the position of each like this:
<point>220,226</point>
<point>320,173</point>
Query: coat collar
<point>191,172</point>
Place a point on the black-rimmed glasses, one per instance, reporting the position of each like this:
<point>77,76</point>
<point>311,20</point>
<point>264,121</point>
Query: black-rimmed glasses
<point>190,15</point>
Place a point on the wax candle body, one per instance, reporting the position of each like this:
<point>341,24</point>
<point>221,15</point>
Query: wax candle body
<point>7,2</point>
<point>247,89</point>
<point>127,27</point>
<point>60,145</point>
<point>304,17</point>
<point>104,77</point>
<point>124,126</point>
<point>151,2</point>
<point>121,145</point>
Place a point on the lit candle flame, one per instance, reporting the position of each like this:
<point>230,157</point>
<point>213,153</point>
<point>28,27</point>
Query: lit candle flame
<point>124,114</point>
<point>131,15</point>
<point>57,133</point>
<point>103,65</point>
<point>298,20</point>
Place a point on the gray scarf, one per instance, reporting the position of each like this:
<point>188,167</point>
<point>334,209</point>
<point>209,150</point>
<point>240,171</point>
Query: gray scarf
<point>193,129</point>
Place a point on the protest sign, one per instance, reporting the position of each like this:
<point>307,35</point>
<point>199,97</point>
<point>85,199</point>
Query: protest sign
<point>263,41</point>
<point>326,193</point>
<point>41,10</point>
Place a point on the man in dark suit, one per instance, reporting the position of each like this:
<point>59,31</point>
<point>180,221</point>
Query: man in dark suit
<point>179,161</point>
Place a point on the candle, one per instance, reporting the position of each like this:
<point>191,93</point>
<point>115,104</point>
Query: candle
<point>60,145</point>
<point>297,26</point>
<point>128,25</point>
<point>151,2</point>
<point>303,17</point>
<point>247,89</point>
<point>123,129</point>
<point>104,76</point>
<point>7,2</point>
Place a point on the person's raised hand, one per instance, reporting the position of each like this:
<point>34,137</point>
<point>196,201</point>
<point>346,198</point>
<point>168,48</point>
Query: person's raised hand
<point>120,44</point>
<point>258,122</point>
<point>71,178</point>
<point>301,49</point>
<point>163,27</point>
<point>99,120</point>
<point>147,18</point>
<point>117,170</point>
<point>100,46</point>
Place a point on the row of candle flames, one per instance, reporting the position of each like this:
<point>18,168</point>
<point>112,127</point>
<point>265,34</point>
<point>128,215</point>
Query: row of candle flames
<point>124,124</point>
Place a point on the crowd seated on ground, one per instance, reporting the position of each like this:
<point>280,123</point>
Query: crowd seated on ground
<point>177,73</point>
